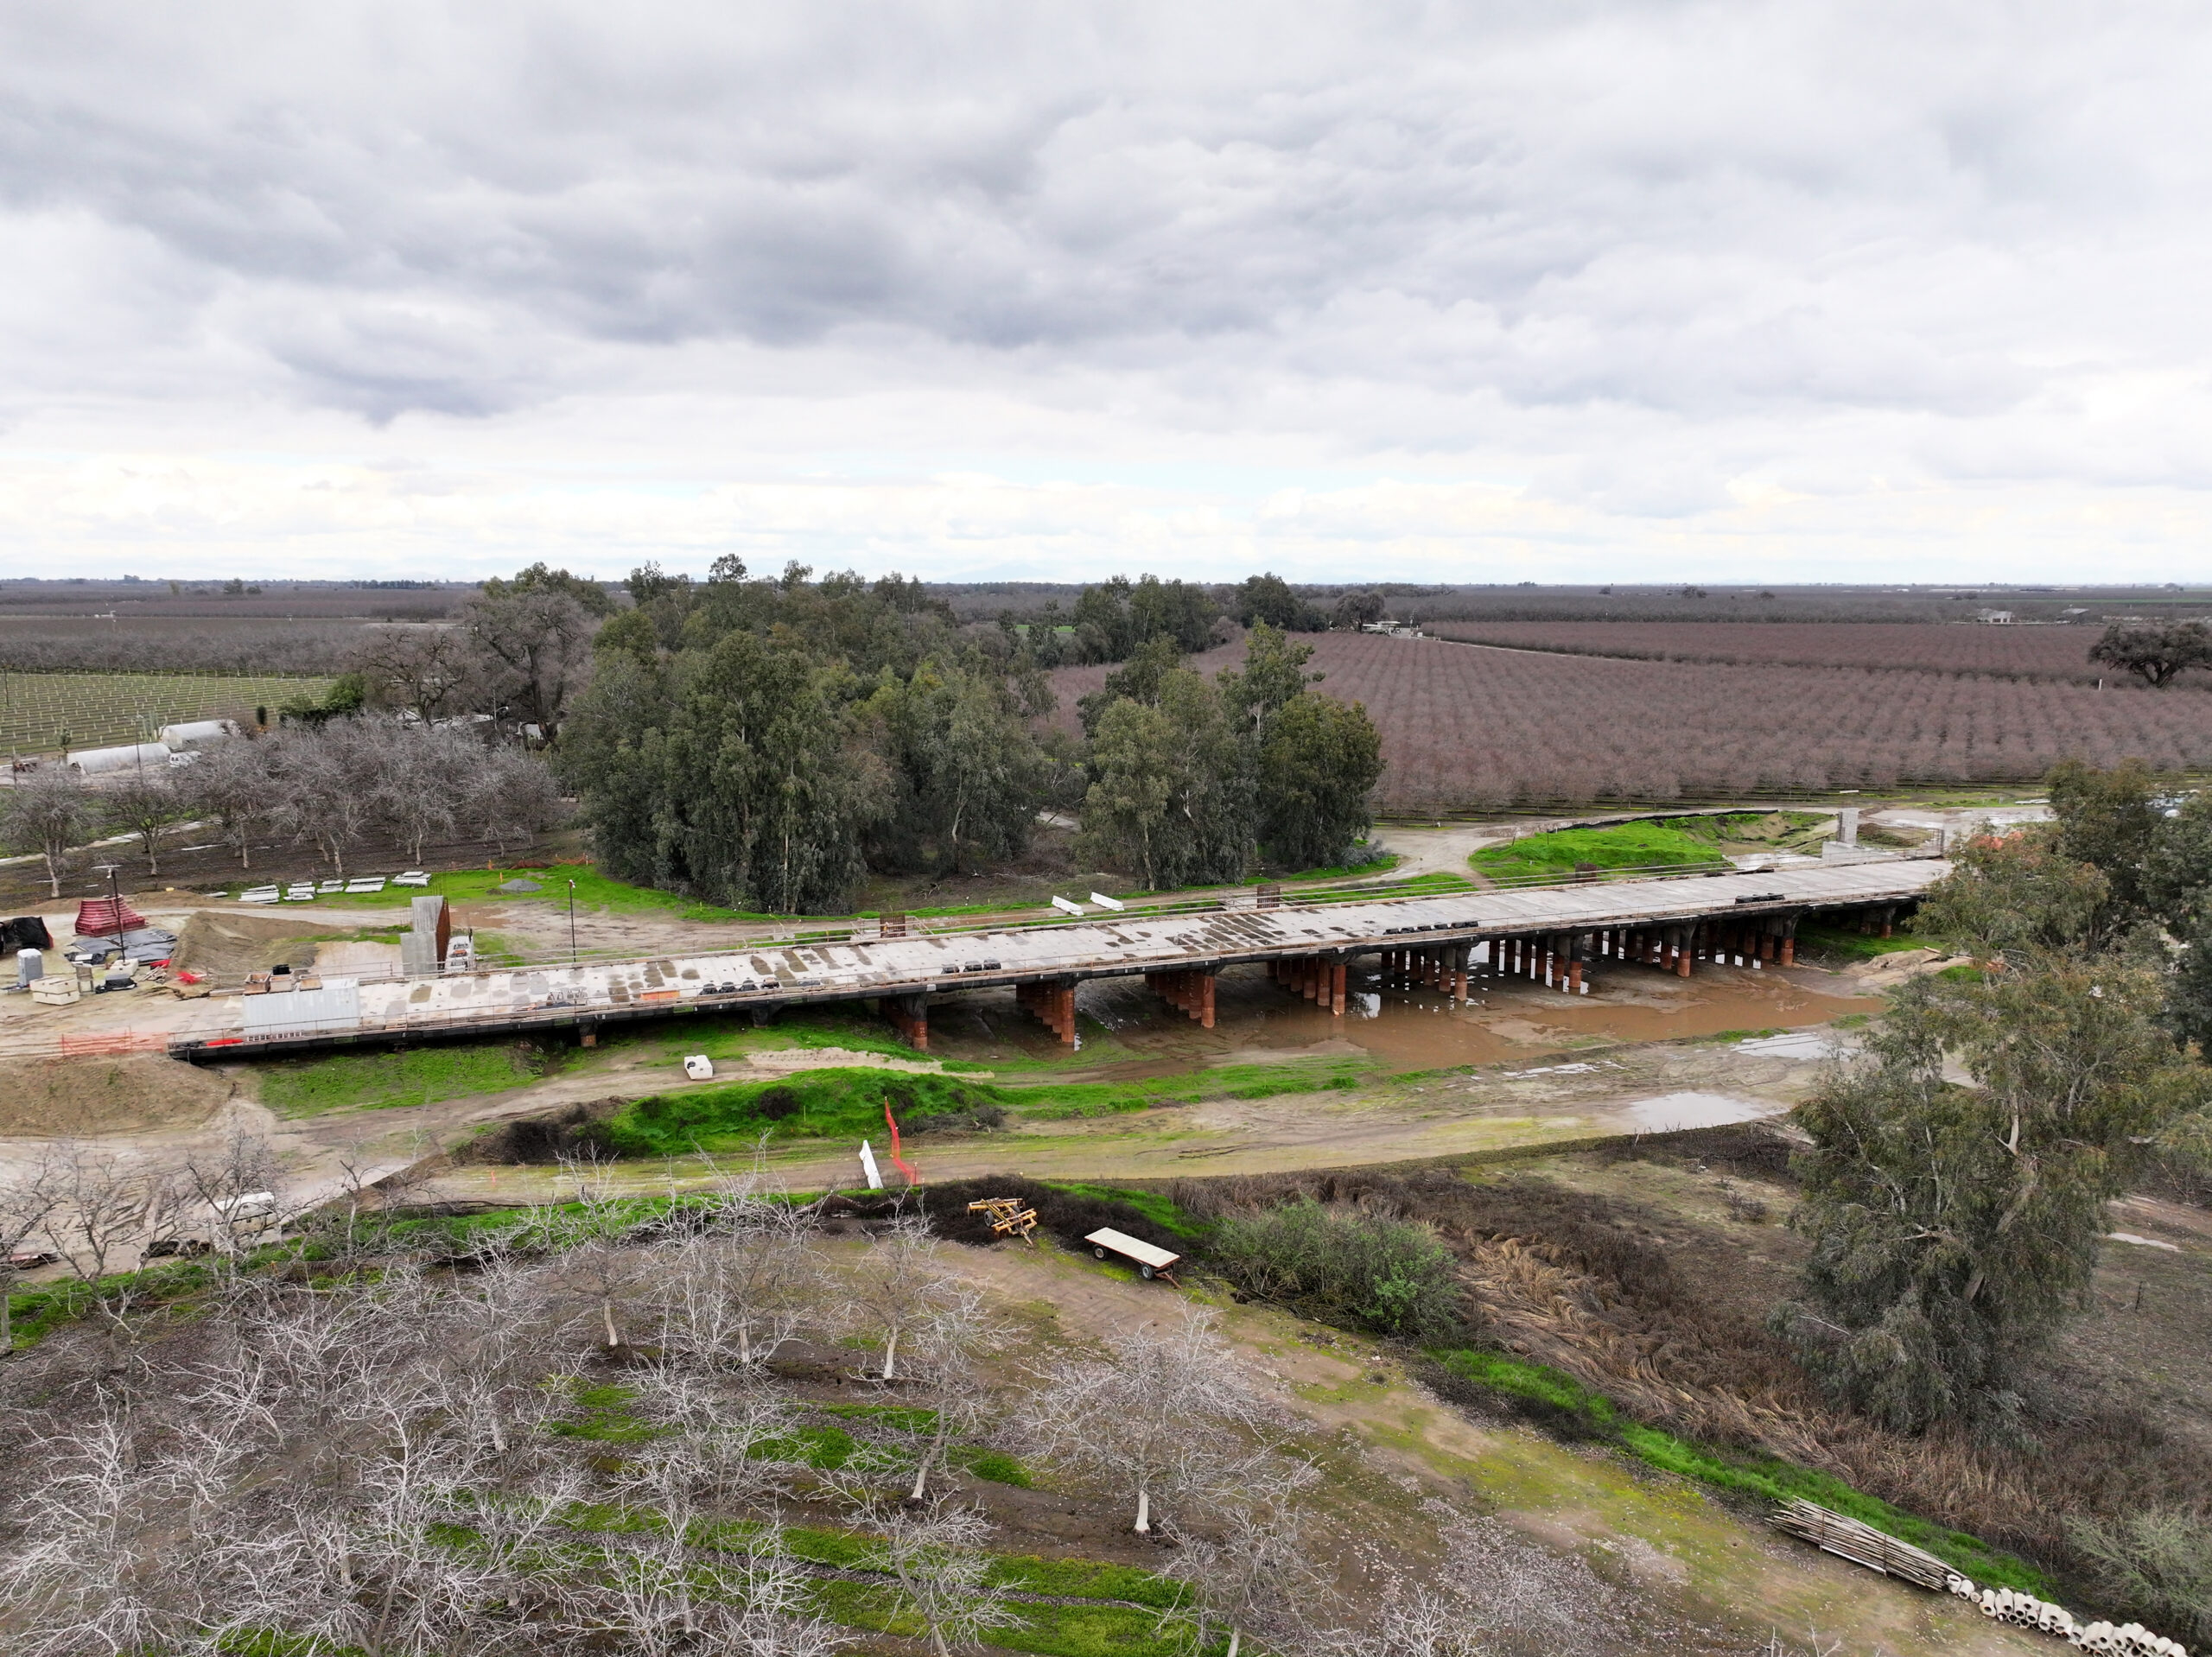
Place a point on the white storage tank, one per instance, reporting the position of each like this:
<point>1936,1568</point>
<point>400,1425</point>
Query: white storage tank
<point>198,734</point>
<point>92,761</point>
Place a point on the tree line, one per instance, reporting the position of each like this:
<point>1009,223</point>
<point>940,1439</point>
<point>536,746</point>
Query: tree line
<point>767,743</point>
<point>331,784</point>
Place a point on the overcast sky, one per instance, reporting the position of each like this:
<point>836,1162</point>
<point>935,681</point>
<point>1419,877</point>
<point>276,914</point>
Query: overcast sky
<point>1549,291</point>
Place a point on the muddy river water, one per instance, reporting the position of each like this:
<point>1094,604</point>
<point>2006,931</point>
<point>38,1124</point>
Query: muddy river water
<point>1133,1032</point>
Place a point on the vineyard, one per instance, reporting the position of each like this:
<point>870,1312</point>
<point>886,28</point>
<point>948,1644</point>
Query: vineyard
<point>2027,652</point>
<point>1465,727</point>
<point>47,713</point>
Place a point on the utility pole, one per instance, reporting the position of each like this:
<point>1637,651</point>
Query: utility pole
<point>115,897</point>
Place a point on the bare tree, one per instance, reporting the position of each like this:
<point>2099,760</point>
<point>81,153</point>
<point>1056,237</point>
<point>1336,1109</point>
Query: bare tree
<point>27,1202</point>
<point>427,670</point>
<point>231,1182</point>
<point>1154,1416</point>
<point>899,1282</point>
<point>326,785</point>
<point>1252,1572</point>
<point>514,798</point>
<point>144,806</point>
<point>105,1210</point>
<point>733,1291</point>
<point>535,647</point>
<point>933,1551</point>
<point>596,1262</point>
<point>945,1369</point>
<point>48,813</point>
<point>96,1566</point>
<point>421,783</point>
<point>237,782</point>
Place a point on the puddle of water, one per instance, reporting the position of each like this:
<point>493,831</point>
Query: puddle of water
<point>2141,1243</point>
<point>1797,1044</point>
<point>1671,1111</point>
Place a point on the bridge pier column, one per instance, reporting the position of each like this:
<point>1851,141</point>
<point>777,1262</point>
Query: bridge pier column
<point>1688,953</point>
<point>910,1017</point>
<point>1052,1005</point>
<point>1189,992</point>
<point>1337,972</point>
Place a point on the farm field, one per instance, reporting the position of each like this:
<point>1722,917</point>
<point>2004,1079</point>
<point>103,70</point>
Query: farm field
<point>46,713</point>
<point>1468,728</point>
<point>2030,652</point>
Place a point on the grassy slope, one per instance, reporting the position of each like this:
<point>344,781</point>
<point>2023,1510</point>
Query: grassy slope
<point>418,1075</point>
<point>1695,841</point>
<point>1625,845</point>
<point>846,1103</point>
<point>1560,1398</point>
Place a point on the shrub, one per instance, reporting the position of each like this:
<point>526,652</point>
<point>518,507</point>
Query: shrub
<point>1345,1264</point>
<point>2157,1562</point>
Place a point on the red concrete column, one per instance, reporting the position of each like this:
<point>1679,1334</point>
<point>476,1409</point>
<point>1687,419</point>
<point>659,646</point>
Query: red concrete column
<point>1790,952</point>
<point>1205,1001</point>
<point>1574,979</point>
<point>1336,989</point>
<point>1689,951</point>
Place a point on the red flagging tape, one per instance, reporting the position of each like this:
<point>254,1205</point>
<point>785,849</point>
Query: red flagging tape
<point>905,1167</point>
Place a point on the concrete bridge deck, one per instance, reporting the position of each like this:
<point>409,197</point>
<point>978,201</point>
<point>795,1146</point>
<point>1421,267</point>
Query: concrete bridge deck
<point>1566,929</point>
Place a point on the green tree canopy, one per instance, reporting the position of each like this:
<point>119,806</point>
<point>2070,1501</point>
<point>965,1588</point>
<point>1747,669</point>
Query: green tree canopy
<point>1170,794</point>
<point>1953,1227</point>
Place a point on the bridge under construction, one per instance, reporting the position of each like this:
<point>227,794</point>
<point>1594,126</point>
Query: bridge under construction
<point>1561,936</point>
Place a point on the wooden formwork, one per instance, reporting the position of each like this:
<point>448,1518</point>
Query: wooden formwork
<point>1190,992</point>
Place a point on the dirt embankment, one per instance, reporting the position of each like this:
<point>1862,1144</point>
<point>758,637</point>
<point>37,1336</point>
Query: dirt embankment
<point>40,1099</point>
<point>225,944</point>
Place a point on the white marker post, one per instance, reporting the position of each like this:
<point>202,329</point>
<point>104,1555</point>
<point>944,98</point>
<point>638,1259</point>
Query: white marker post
<point>1104,902</point>
<point>868,1166</point>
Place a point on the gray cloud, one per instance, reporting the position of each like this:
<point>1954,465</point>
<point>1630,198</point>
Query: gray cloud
<point>1593,244</point>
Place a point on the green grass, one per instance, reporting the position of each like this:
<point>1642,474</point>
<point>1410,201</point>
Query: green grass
<point>594,893</point>
<point>1770,1478</point>
<point>845,1103</point>
<point>1859,946</point>
<point>1156,1207</point>
<point>418,1075</point>
<point>1379,864</point>
<point>1619,845</point>
<point>605,1416</point>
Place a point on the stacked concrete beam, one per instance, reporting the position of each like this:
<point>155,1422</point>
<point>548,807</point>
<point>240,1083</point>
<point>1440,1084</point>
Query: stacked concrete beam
<point>1053,1006</point>
<point>1190,992</point>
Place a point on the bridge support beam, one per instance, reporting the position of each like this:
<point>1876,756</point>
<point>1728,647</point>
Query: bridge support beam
<point>1188,992</point>
<point>1053,1005</point>
<point>910,1017</point>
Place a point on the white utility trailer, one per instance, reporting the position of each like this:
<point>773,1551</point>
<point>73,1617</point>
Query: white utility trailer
<point>1149,1261</point>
